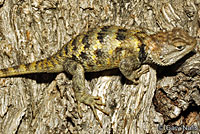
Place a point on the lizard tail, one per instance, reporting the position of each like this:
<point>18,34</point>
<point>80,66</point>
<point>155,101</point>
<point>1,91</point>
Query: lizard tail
<point>49,65</point>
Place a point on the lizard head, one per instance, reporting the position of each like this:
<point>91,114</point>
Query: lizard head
<point>165,48</point>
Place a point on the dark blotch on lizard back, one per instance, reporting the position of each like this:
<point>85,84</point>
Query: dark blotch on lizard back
<point>74,58</point>
<point>60,54</point>
<point>41,63</point>
<point>98,52</point>
<point>50,60</point>
<point>90,65</point>
<point>102,33</point>
<point>74,43</point>
<point>142,54</point>
<point>85,41</point>
<point>122,30</point>
<point>120,34</point>
<point>99,62</point>
<point>140,35</point>
<point>118,50</point>
<point>15,67</point>
<point>83,55</point>
<point>66,49</point>
<point>4,70</point>
<point>105,28</point>
<point>100,36</point>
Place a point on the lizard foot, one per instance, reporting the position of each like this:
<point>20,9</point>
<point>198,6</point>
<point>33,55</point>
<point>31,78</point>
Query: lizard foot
<point>93,101</point>
<point>137,73</point>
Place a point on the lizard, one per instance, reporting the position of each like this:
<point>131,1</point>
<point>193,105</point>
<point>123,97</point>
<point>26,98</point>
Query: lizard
<point>108,47</point>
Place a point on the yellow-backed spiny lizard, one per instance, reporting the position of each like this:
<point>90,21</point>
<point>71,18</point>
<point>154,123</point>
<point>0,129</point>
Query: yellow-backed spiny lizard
<point>108,47</point>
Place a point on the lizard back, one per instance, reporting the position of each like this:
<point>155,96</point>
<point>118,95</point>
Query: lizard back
<point>98,49</point>
<point>104,47</point>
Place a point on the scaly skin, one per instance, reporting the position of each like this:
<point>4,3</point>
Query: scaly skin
<point>109,47</point>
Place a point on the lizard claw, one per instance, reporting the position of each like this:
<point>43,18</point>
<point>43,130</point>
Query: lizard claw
<point>93,101</point>
<point>137,73</point>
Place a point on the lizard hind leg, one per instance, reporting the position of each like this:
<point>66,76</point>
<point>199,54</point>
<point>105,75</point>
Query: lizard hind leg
<point>78,80</point>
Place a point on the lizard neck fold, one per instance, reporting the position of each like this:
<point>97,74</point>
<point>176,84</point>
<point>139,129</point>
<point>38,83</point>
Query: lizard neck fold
<point>142,53</point>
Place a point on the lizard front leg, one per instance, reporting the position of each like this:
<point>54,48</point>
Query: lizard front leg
<point>78,80</point>
<point>131,68</point>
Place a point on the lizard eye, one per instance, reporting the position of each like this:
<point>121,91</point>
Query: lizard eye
<point>180,48</point>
